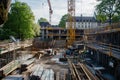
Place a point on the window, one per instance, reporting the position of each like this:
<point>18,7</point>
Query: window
<point>90,20</point>
<point>77,20</point>
<point>82,26</point>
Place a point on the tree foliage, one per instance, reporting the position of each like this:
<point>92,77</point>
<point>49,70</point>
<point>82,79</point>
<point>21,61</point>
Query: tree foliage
<point>36,29</point>
<point>63,20</point>
<point>20,21</point>
<point>108,10</point>
<point>42,20</point>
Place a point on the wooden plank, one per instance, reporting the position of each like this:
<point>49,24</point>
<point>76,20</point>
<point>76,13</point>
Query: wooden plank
<point>58,76</point>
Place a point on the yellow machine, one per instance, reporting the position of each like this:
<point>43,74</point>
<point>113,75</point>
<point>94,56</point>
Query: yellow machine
<point>71,22</point>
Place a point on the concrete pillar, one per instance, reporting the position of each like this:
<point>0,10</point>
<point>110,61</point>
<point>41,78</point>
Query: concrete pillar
<point>7,57</point>
<point>92,54</point>
<point>59,37</point>
<point>117,72</point>
<point>59,34</point>
<point>102,59</point>
<point>106,61</point>
<point>47,33</point>
<point>97,55</point>
<point>43,33</point>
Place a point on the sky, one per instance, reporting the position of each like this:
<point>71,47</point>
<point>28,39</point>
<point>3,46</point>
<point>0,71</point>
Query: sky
<point>40,8</point>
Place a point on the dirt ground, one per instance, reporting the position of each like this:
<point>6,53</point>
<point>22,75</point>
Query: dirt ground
<point>47,62</point>
<point>52,62</point>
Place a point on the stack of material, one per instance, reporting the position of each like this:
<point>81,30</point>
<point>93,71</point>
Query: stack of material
<point>28,62</point>
<point>62,74</point>
<point>48,75</point>
<point>26,56</point>
<point>14,77</point>
<point>38,70</point>
<point>25,64</point>
<point>43,74</point>
<point>23,68</point>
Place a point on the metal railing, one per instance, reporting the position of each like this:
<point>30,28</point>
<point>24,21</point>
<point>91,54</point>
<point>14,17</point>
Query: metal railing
<point>13,46</point>
<point>112,27</point>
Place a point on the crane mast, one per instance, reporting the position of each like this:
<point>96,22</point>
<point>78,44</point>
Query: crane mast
<point>50,10</point>
<point>71,22</point>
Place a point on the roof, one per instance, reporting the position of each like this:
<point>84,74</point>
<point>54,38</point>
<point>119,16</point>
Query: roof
<point>55,28</point>
<point>85,19</point>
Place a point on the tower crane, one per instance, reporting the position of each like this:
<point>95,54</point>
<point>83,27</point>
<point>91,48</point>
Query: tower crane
<point>50,10</point>
<point>71,22</point>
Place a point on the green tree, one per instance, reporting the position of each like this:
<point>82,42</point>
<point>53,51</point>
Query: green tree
<point>42,20</point>
<point>108,10</point>
<point>63,20</point>
<point>20,21</point>
<point>36,29</point>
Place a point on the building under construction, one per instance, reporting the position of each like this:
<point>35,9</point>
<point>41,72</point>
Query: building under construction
<point>104,47</point>
<point>62,53</point>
